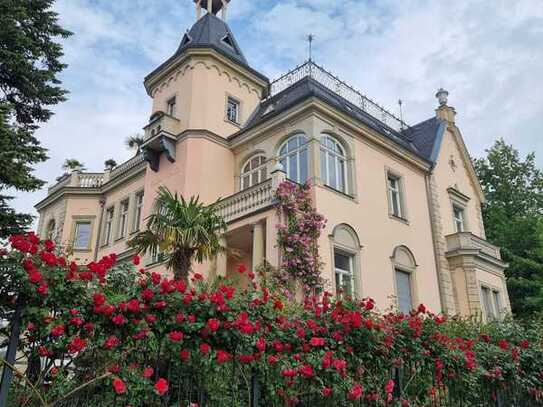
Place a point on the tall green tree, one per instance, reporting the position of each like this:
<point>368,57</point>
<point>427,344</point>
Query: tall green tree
<point>513,216</point>
<point>182,231</point>
<point>30,55</point>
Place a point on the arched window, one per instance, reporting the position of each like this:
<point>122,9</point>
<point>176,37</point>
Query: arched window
<point>346,250</point>
<point>333,164</point>
<point>253,172</point>
<point>294,158</point>
<point>404,269</point>
<point>50,232</point>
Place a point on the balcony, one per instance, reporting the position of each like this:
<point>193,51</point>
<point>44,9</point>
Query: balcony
<point>162,123</point>
<point>468,243</point>
<point>247,202</point>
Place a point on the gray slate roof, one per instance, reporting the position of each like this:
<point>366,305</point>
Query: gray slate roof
<point>419,139</point>
<point>426,136</point>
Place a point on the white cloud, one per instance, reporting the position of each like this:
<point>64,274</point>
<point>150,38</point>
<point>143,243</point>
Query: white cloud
<point>487,54</point>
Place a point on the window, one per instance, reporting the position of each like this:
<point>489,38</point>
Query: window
<point>293,157</point>
<point>254,172</point>
<point>123,219</point>
<point>138,210</point>
<point>497,302</point>
<point>171,106</point>
<point>82,235</point>
<point>459,218</point>
<point>488,306</point>
<point>50,233</point>
<point>232,110</point>
<point>343,263</point>
<point>404,291</point>
<point>333,167</point>
<point>394,196</point>
<point>108,226</point>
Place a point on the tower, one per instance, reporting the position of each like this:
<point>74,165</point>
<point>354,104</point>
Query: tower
<point>212,6</point>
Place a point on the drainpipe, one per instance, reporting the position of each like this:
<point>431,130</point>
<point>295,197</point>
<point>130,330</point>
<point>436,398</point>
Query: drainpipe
<point>100,219</point>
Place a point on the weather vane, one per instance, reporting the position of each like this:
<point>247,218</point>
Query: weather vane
<point>310,39</point>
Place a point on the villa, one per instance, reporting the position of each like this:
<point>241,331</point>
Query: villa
<point>403,202</point>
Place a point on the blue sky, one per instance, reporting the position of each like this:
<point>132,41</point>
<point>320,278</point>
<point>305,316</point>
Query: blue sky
<point>487,54</point>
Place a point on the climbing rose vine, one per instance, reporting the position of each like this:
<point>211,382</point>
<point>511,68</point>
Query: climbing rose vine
<point>299,234</point>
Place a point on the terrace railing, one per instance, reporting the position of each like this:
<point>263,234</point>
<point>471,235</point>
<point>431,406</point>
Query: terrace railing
<point>339,87</point>
<point>247,201</point>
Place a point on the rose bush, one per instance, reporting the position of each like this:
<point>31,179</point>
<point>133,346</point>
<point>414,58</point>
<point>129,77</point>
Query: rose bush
<point>136,338</point>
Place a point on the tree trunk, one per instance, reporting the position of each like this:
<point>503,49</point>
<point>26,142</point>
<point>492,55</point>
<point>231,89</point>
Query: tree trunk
<point>182,264</point>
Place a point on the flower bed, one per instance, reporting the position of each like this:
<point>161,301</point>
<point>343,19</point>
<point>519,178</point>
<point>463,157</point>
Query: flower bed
<point>140,339</point>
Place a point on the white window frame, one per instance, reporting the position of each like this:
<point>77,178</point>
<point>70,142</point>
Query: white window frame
<point>108,225</point>
<point>340,274</point>
<point>296,152</point>
<point>395,195</point>
<point>488,303</point>
<point>124,210</point>
<point>232,115</point>
<point>253,175</point>
<point>409,273</point>
<point>79,222</point>
<point>138,210</point>
<point>459,222</point>
<point>339,160</point>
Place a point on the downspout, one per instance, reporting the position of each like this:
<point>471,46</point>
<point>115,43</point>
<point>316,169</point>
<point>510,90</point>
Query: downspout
<point>434,243</point>
<point>100,219</point>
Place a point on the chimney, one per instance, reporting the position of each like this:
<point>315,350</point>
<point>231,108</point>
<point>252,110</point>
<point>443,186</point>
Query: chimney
<point>444,111</point>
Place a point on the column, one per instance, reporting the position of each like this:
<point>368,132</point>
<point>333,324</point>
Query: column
<point>210,6</point>
<point>222,259</point>
<point>272,251</point>
<point>258,245</point>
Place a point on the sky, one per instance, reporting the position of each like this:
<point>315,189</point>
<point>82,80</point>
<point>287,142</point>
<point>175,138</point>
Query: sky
<point>487,53</point>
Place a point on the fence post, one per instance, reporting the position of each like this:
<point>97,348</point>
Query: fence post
<point>255,390</point>
<point>7,373</point>
<point>397,384</point>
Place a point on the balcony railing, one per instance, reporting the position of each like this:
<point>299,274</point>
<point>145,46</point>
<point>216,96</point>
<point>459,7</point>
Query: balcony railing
<point>126,166</point>
<point>336,85</point>
<point>247,201</point>
<point>468,241</point>
<point>162,123</point>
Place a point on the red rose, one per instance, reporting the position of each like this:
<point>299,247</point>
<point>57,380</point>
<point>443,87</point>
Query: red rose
<point>339,364</point>
<point>223,357</point>
<point>176,336</point>
<point>184,355</point>
<point>389,387</point>
<point>524,344</point>
<point>49,245</point>
<point>355,393</point>
<point>76,345</point>
<point>242,268</point>
<point>317,341</point>
<point>503,344</point>
<point>261,344</point>
<point>306,370</point>
<point>204,348</point>
<point>119,386</point>
<point>118,320</point>
<point>289,373</point>
<point>161,386</point>
<point>133,306</point>
<point>58,331</point>
<point>272,359</point>
<point>111,342</point>
<point>35,277</point>
<point>147,295</point>
<point>43,289</point>
<point>99,299</point>
<point>213,324</point>
<point>326,392</point>
<point>148,372</point>
<point>136,260</point>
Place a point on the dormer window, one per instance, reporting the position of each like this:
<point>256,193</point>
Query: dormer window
<point>232,110</point>
<point>228,41</point>
<point>171,107</point>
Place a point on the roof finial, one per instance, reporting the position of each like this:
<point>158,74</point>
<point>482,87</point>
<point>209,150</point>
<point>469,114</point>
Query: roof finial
<point>310,39</point>
<point>442,96</point>
<point>401,114</point>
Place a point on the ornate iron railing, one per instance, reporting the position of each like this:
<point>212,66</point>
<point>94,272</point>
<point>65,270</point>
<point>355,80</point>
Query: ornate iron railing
<point>339,87</point>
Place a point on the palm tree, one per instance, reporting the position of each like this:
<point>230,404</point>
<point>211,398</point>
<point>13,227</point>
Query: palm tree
<point>110,164</point>
<point>134,142</point>
<point>183,230</point>
<point>71,164</point>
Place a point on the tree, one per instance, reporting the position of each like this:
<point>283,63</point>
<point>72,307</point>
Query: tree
<point>513,216</point>
<point>183,230</point>
<point>110,164</point>
<point>135,142</point>
<point>71,164</point>
<point>29,65</point>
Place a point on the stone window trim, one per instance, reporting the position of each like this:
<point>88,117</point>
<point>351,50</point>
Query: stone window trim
<point>459,201</point>
<point>105,239</point>
<point>77,219</point>
<point>239,119</point>
<point>402,189</point>
<point>352,249</point>
<point>498,308</point>
<point>119,233</point>
<point>50,231</point>
<point>135,225</point>
<point>172,100</point>
<point>409,267</point>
